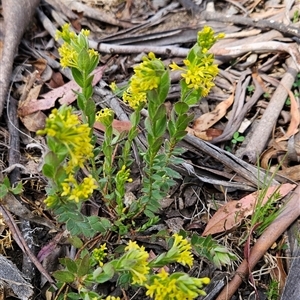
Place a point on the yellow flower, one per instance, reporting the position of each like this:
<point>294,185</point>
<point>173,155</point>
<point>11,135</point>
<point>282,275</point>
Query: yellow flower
<point>199,69</point>
<point>65,128</point>
<point>147,77</point>
<point>134,99</point>
<point>77,192</point>
<point>123,175</point>
<point>135,261</point>
<point>105,115</point>
<point>178,286</point>
<point>181,251</point>
<point>99,254</point>
<point>112,298</point>
<point>73,48</point>
<point>66,34</point>
<point>113,86</point>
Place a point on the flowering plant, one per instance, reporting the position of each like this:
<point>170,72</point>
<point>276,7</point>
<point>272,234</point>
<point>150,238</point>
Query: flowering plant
<point>134,267</point>
<point>78,169</point>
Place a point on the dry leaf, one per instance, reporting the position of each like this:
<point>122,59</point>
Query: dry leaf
<point>205,121</point>
<point>232,213</point>
<point>119,126</point>
<point>295,119</point>
<point>65,93</point>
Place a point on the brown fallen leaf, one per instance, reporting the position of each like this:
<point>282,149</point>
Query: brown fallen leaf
<point>292,173</point>
<point>295,119</point>
<point>65,93</point>
<point>232,213</point>
<point>205,121</point>
<point>119,126</point>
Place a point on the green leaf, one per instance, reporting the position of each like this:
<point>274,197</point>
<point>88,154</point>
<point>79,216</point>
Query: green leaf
<point>164,87</point>
<point>77,75</point>
<point>75,241</point>
<point>90,110</point>
<point>81,101</point>
<point>171,127</point>
<point>159,126</point>
<point>88,92</point>
<point>18,189</point>
<point>84,266</point>
<point>3,191</point>
<point>148,126</point>
<point>88,82</point>
<point>94,60</point>
<point>180,135</point>
<point>69,264</point>
<point>6,182</point>
<point>181,108</point>
<point>108,273</point>
<point>64,276</point>
<point>48,170</point>
<point>172,173</point>
<point>83,60</point>
<point>160,112</point>
<point>74,296</point>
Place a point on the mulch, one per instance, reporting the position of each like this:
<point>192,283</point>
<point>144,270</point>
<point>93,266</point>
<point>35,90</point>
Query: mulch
<point>242,131</point>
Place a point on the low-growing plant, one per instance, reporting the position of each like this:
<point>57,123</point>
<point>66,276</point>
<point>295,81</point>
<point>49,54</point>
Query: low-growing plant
<point>237,138</point>
<point>79,170</point>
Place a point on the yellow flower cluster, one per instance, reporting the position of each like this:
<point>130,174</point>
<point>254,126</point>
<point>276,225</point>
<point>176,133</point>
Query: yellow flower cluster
<point>112,298</point>
<point>206,38</point>
<point>73,46</point>
<point>76,191</point>
<point>66,128</point>
<point>177,286</point>
<point>135,261</point>
<point>99,254</point>
<point>123,175</point>
<point>181,251</point>
<point>147,76</point>
<point>200,70</point>
<point>105,116</point>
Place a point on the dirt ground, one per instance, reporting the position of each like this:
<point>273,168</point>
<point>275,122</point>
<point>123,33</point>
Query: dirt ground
<point>243,143</point>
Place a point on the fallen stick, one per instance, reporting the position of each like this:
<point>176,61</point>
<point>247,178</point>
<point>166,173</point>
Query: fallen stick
<point>289,213</point>
<point>264,129</point>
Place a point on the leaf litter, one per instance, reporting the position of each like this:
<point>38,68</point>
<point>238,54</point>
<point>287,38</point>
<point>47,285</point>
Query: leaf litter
<point>249,55</point>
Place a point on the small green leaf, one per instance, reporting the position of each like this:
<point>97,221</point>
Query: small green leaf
<point>181,108</point>
<point>107,273</point>
<point>48,170</point>
<point>75,241</point>
<point>159,126</point>
<point>83,267</point>
<point>81,101</point>
<point>3,191</point>
<point>164,87</point>
<point>6,182</point>
<point>18,189</point>
<point>77,75</point>
<point>69,264</point>
<point>64,276</point>
<point>83,60</point>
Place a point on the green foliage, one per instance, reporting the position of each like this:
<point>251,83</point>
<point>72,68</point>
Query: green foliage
<point>5,188</point>
<point>212,250</point>
<point>237,138</point>
<point>296,16</point>
<point>250,88</point>
<point>273,290</point>
<point>76,169</point>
